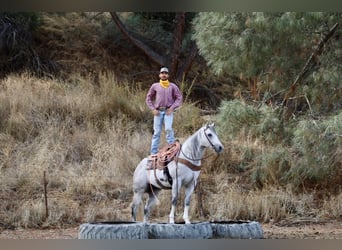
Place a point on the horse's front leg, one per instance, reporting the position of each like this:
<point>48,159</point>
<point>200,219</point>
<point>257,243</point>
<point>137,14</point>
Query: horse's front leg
<point>176,185</point>
<point>188,192</point>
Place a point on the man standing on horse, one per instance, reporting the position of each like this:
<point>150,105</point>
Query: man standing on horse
<point>163,98</point>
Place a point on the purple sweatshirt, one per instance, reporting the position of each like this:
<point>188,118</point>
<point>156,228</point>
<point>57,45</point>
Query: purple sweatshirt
<point>170,97</point>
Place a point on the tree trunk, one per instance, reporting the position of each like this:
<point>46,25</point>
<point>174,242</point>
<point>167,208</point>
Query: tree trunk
<point>177,43</point>
<point>186,66</point>
<point>178,70</point>
<point>146,49</point>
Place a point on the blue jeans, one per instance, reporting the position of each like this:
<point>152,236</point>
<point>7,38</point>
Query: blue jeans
<point>157,129</point>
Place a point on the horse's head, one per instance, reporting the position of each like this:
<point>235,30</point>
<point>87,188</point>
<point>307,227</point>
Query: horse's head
<point>212,137</point>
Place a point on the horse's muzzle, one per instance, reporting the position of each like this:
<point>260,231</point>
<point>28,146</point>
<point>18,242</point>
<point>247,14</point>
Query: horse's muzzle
<point>218,149</point>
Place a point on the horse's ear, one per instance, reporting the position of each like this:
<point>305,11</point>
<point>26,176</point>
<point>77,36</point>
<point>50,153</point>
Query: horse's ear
<point>211,124</point>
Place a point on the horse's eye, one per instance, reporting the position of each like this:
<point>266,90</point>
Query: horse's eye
<point>210,135</point>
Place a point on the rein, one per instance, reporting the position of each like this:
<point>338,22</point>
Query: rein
<point>212,145</point>
<point>196,159</point>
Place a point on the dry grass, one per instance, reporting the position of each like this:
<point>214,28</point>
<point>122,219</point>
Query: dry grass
<point>72,134</point>
<point>90,44</point>
<point>88,131</point>
<point>89,138</point>
<point>58,36</point>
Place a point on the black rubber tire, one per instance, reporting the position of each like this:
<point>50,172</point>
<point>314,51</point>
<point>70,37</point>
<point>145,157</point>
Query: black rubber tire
<point>113,230</point>
<point>237,230</point>
<point>201,230</point>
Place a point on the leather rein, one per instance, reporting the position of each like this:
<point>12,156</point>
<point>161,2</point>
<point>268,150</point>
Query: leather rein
<point>194,167</point>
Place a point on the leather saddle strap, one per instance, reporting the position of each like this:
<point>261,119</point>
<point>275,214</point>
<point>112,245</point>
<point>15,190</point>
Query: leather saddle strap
<point>188,164</point>
<point>158,182</point>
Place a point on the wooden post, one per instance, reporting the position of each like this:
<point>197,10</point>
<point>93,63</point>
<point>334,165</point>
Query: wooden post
<point>199,198</point>
<point>45,196</point>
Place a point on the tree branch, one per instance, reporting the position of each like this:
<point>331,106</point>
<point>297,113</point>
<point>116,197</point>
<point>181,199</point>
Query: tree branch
<point>178,71</point>
<point>310,63</point>
<point>184,69</point>
<point>145,48</point>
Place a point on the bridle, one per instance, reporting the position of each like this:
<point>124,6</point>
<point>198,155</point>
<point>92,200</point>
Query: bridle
<point>206,136</point>
<point>211,144</point>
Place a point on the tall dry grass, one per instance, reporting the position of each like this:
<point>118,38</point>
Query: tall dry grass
<point>83,138</point>
<point>88,138</point>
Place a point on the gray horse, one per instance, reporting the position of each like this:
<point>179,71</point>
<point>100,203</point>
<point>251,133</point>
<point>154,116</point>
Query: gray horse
<point>183,171</point>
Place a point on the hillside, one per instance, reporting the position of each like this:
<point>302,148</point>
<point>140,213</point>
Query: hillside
<point>78,133</point>
<point>90,45</point>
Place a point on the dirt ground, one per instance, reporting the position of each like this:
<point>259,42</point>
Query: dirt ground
<point>300,229</point>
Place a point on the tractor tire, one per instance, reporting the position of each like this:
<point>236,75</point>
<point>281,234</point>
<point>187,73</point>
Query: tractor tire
<point>113,230</point>
<point>200,230</point>
<point>236,230</point>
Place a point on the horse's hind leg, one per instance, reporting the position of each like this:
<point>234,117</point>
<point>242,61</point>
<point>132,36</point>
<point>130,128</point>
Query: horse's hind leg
<point>135,203</point>
<point>152,200</point>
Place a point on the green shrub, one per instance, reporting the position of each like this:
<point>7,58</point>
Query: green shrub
<point>235,117</point>
<point>317,146</point>
<point>238,119</point>
<point>271,127</point>
<point>272,167</point>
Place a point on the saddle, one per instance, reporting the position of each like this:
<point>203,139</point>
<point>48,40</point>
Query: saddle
<point>164,156</point>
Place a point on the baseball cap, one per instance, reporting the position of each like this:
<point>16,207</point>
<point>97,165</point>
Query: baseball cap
<point>164,69</point>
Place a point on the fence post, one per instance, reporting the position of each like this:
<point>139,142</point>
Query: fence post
<point>45,196</point>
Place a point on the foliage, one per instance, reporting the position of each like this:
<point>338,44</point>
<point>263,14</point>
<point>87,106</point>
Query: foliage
<point>153,31</point>
<point>271,167</point>
<point>326,96</point>
<point>237,119</point>
<point>166,48</point>
<point>31,20</point>
<point>249,130</point>
<point>317,146</point>
<point>80,129</point>
<point>303,154</point>
<point>166,19</point>
<point>17,42</point>
<point>236,116</point>
<point>271,48</point>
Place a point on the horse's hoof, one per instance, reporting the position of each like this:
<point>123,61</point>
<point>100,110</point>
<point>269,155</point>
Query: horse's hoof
<point>146,220</point>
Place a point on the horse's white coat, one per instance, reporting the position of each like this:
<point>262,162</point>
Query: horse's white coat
<point>192,150</point>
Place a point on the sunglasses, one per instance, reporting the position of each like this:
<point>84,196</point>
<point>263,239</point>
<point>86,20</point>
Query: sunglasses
<point>164,73</point>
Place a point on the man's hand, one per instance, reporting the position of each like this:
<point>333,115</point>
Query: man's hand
<point>155,112</point>
<point>169,111</point>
